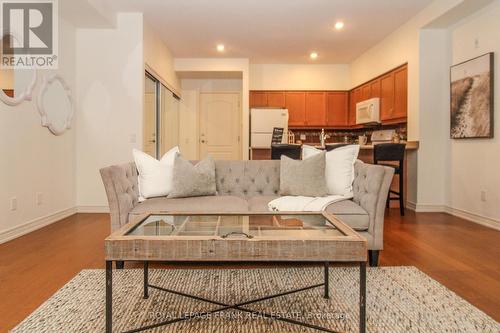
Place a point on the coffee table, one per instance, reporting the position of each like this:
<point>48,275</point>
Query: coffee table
<point>236,237</point>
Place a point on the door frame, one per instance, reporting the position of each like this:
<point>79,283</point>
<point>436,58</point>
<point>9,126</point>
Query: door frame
<point>240,119</point>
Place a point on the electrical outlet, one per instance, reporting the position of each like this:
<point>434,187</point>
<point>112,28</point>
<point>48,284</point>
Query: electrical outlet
<point>476,43</point>
<point>302,137</point>
<point>39,198</point>
<point>483,195</point>
<point>13,203</point>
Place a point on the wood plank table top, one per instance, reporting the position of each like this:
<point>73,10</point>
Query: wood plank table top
<point>245,236</point>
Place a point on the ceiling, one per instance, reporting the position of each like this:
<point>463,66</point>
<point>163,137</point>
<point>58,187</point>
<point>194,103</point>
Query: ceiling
<point>277,31</point>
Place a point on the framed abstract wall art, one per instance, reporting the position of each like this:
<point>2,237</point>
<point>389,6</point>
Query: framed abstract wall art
<point>471,98</point>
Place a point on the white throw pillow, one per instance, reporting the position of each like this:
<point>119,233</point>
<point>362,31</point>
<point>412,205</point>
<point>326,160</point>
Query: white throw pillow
<point>155,177</point>
<point>339,170</point>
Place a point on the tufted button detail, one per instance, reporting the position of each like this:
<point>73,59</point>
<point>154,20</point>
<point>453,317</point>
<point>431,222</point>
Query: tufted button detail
<point>260,191</point>
<point>275,191</point>
<point>253,180</point>
<point>245,191</point>
<point>237,180</point>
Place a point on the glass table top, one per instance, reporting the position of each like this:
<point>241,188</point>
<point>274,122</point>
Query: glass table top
<point>241,226</point>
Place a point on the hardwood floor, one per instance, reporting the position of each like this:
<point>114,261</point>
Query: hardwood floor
<point>459,254</point>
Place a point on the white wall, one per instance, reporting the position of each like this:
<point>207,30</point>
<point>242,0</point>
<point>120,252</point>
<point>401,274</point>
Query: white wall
<point>110,89</point>
<point>33,160</point>
<point>474,163</point>
<point>224,65</point>
<point>299,77</point>
<point>159,60</point>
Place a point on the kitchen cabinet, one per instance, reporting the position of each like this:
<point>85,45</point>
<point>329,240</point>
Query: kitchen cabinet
<point>375,87</point>
<point>337,108</point>
<point>356,97</point>
<point>400,107</point>
<point>258,99</point>
<point>315,108</point>
<point>272,99</point>
<point>386,96</point>
<point>366,92</point>
<point>295,102</point>
<point>276,99</point>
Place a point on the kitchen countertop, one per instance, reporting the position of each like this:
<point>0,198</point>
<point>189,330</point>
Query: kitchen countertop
<point>410,145</point>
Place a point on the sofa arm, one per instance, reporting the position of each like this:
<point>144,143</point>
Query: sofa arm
<point>120,182</point>
<point>371,187</point>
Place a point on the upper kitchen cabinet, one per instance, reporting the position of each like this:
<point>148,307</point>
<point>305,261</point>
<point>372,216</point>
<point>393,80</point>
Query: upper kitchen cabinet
<point>375,88</point>
<point>258,99</point>
<point>337,108</point>
<point>386,96</point>
<point>366,92</point>
<point>400,93</point>
<point>356,97</point>
<point>295,102</point>
<point>315,109</point>
<point>271,99</point>
<point>276,99</point>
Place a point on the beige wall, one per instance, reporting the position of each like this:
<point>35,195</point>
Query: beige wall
<point>299,77</point>
<point>33,160</point>
<point>158,58</point>
<point>474,163</point>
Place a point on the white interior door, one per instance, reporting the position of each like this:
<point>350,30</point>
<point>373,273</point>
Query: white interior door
<point>220,126</point>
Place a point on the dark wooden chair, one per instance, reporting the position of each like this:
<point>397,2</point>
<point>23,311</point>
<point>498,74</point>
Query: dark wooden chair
<point>392,152</point>
<point>290,150</point>
<point>333,146</point>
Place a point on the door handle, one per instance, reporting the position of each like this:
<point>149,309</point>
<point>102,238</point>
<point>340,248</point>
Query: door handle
<point>202,141</point>
<point>152,141</point>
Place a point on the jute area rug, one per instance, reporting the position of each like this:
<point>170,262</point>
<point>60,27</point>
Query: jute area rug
<point>399,299</point>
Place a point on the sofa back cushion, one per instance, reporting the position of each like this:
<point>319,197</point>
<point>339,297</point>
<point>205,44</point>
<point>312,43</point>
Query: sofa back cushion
<point>247,178</point>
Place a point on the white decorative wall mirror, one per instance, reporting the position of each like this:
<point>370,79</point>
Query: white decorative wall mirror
<point>16,85</point>
<point>55,104</point>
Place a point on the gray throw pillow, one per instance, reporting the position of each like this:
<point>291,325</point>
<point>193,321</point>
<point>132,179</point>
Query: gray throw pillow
<point>305,177</point>
<point>193,180</point>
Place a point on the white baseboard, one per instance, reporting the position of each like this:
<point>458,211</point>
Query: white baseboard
<point>472,217</point>
<point>476,218</point>
<point>92,209</point>
<point>35,224</point>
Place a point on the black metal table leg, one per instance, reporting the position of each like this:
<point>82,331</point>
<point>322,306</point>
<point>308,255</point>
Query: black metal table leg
<point>146,281</point>
<point>327,285</point>
<point>362,297</point>
<point>109,296</point>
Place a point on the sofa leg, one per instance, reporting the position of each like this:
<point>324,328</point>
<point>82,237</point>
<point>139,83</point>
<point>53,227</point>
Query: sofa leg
<point>120,264</point>
<point>373,257</point>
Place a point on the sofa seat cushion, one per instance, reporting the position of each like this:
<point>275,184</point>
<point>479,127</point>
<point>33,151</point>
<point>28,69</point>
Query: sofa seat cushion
<point>259,203</point>
<point>209,204</point>
<point>351,214</point>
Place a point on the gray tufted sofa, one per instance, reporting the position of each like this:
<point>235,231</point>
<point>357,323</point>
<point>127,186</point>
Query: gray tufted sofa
<point>249,186</point>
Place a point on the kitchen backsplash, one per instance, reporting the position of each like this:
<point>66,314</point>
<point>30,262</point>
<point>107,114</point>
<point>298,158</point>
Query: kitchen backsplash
<point>349,136</point>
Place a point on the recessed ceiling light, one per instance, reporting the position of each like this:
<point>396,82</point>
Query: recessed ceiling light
<point>220,47</point>
<point>313,55</point>
<point>339,25</point>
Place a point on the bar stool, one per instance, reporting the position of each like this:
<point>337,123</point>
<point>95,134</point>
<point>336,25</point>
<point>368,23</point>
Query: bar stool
<point>392,152</point>
<point>333,146</point>
<point>290,150</point>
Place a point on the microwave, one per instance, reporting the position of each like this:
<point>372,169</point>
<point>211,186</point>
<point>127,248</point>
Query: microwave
<point>368,111</point>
